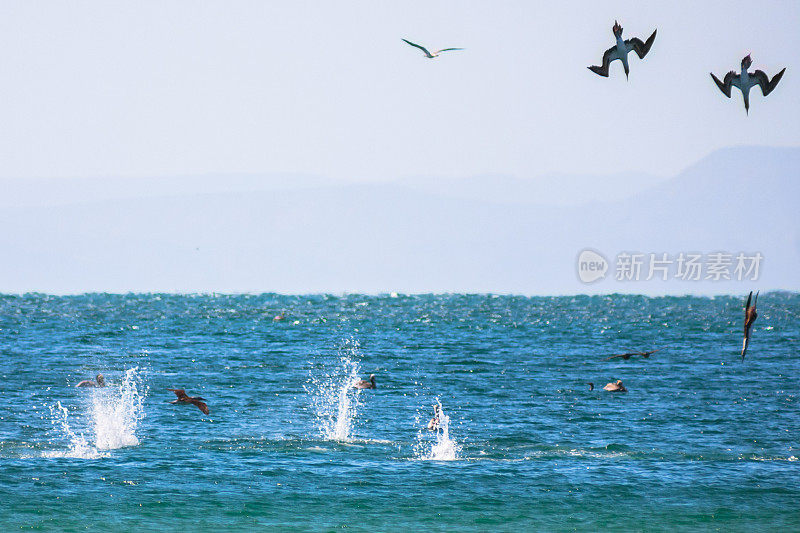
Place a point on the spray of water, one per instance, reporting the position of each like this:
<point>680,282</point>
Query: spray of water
<point>114,414</point>
<point>444,448</point>
<point>77,445</point>
<point>333,397</point>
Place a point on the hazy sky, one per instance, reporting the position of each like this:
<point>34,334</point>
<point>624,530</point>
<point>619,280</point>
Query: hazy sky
<point>160,88</point>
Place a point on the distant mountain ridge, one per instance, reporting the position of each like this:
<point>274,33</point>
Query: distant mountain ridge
<point>384,237</point>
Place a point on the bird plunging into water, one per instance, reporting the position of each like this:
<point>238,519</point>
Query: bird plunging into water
<point>622,49</point>
<point>428,54</point>
<point>746,81</point>
<point>435,423</point>
<point>750,316</point>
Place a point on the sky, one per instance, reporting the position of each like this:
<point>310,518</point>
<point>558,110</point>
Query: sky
<point>143,89</point>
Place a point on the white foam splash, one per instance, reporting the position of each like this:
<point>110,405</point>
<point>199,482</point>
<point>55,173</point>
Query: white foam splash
<point>78,446</point>
<point>116,413</point>
<point>333,397</point>
<point>113,416</point>
<point>445,448</point>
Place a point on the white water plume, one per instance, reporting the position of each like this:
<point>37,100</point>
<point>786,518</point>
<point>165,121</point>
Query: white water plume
<point>78,447</point>
<point>445,448</point>
<point>116,413</point>
<point>113,416</point>
<point>333,397</point>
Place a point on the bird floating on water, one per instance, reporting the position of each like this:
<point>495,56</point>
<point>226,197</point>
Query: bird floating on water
<point>622,49</point>
<point>364,384</point>
<point>615,387</point>
<point>427,53</point>
<point>591,385</point>
<point>197,401</point>
<point>750,316</point>
<point>101,382</point>
<point>746,81</point>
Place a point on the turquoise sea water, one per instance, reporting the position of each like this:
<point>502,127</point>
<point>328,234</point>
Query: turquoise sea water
<point>701,441</point>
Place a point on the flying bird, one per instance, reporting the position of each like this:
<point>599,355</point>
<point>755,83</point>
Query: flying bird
<point>364,384</point>
<point>622,49</point>
<point>615,387</point>
<point>746,81</point>
<point>625,356</point>
<point>197,401</point>
<point>750,316</point>
<point>427,53</point>
<point>628,355</point>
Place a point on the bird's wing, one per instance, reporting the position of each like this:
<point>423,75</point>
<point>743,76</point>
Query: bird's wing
<point>180,393</point>
<point>201,405</point>
<point>610,55</point>
<point>747,305</point>
<point>725,86</point>
<point>765,83</point>
<point>641,48</point>
<point>419,46</point>
<point>448,50</point>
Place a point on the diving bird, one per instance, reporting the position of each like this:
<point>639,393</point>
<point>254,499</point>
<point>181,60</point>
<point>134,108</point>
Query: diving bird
<point>591,385</point>
<point>615,387</point>
<point>364,384</point>
<point>433,424</point>
<point>427,53</point>
<point>197,401</point>
<point>746,81</point>
<point>750,316</point>
<point>101,382</point>
<point>622,49</point>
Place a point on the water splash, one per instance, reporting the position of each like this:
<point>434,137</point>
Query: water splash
<point>113,416</point>
<point>445,448</point>
<point>78,446</point>
<point>333,397</point>
<point>116,412</point>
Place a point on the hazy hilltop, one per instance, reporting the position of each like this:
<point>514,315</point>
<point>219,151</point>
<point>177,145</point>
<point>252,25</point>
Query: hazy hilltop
<point>485,234</point>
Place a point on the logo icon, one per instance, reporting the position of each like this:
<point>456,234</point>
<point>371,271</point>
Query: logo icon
<point>591,266</point>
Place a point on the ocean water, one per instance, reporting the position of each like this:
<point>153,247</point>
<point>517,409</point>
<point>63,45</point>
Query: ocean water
<point>702,441</point>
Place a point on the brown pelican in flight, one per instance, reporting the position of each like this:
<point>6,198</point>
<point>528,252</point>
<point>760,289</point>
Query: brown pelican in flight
<point>628,355</point>
<point>746,81</point>
<point>427,53</point>
<point>197,401</point>
<point>615,387</point>
<point>101,382</point>
<point>750,316</point>
<point>622,49</point>
<point>364,384</point>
